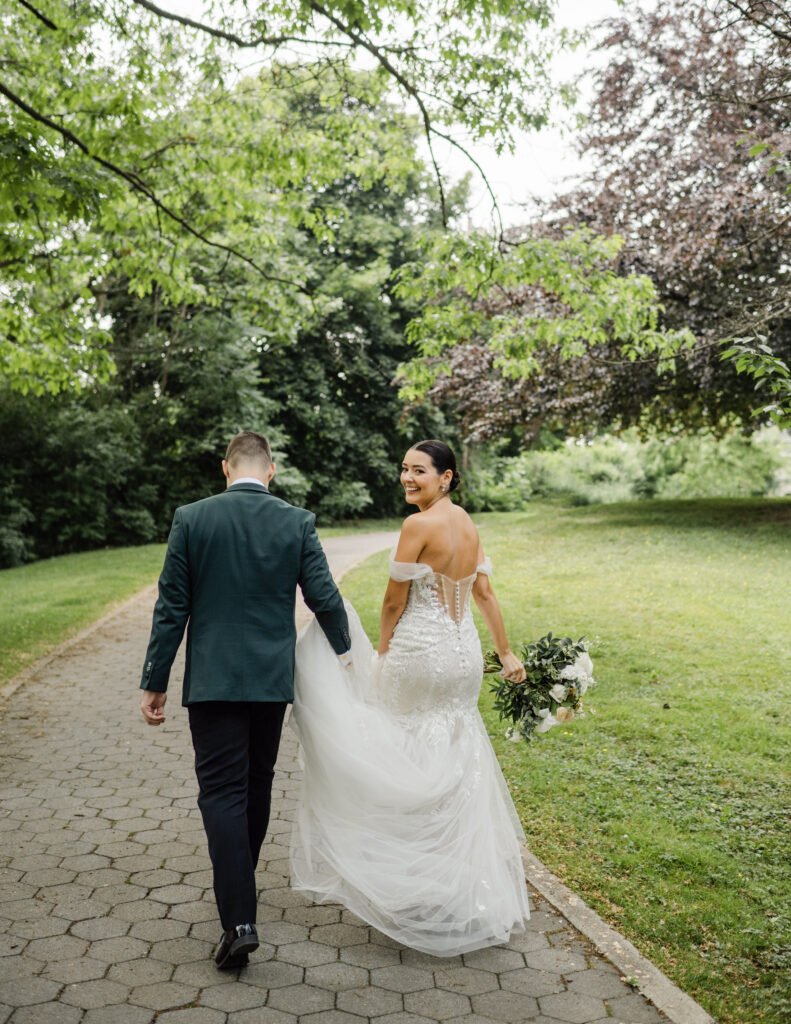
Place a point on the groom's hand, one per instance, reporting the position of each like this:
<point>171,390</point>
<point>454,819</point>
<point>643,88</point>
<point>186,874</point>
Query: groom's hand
<point>151,704</point>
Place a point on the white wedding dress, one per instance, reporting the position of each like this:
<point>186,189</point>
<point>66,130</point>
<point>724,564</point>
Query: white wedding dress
<point>404,816</point>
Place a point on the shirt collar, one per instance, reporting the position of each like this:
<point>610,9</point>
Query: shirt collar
<point>248,480</point>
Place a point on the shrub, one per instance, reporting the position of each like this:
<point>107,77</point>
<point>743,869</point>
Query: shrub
<point>623,468</point>
<point>342,501</point>
<point>498,485</point>
<point>15,514</point>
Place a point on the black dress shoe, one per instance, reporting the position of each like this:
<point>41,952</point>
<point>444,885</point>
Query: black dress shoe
<point>235,944</point>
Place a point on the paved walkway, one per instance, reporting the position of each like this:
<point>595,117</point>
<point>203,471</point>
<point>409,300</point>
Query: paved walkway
<point>106,909</point>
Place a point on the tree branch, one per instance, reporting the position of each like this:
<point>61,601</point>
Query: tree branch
<point>12,261</point>
<point>172,144</point>
<point>231,37</point>
<point>378,53</point>
<point>39,15</point>
<point>753,15</point>
<point>356,40</point>
<point>136,184</point>
<point>474,162</point>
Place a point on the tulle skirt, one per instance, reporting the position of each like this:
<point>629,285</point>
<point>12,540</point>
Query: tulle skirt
<point>406,820</point>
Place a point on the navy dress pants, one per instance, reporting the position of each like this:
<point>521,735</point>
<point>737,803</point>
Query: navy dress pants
<point>236,746</point>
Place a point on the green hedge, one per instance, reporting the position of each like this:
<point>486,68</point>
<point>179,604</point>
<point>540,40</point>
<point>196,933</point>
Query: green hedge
<point>624,468</point>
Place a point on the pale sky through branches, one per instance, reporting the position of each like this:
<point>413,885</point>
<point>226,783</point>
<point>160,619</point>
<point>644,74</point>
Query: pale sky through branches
<point>541,160</point>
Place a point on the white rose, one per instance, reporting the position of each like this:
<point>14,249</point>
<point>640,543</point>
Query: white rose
<point>559,692</point>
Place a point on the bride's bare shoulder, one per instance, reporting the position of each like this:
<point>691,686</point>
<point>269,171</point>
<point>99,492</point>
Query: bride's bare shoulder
<point>414,524</point>
<point>454,519</point>
<point>411,539</point>
<point>462,514</point>
<point>463,518</point>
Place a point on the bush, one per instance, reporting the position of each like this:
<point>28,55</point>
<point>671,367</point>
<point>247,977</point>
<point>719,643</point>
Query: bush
<point>694,467</point>
<point>498,485</point>
<point>623,468</point>
<point>342,501</point>
<point>15,547</point>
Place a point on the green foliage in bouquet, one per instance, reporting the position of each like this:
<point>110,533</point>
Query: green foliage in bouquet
<point>559,671</point>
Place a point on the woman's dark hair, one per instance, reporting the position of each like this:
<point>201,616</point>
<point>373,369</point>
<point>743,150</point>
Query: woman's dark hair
<point>443,458</point>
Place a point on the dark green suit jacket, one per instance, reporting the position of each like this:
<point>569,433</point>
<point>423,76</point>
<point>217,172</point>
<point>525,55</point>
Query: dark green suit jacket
<point>231,571</point>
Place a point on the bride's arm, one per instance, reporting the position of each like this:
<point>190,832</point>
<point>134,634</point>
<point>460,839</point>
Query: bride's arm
<point>392,608</point>
<point>410,544</point>
<point>493,617</point>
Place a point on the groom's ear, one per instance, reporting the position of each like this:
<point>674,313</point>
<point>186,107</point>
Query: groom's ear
<point>270,472</point>
<point>226,472</point>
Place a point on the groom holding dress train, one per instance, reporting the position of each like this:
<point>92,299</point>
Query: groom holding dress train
<point>232,567</point>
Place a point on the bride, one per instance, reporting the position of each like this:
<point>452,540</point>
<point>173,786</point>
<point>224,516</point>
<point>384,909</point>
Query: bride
<point>404,815</point>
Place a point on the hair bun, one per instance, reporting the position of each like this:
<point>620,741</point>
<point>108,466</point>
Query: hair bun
<point>455,481</point>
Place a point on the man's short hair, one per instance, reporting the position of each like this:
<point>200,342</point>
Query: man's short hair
<point>248,447</point>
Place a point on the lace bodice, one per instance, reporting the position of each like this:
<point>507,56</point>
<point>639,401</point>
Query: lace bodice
<point>452,595</point>
<point>434,665</point>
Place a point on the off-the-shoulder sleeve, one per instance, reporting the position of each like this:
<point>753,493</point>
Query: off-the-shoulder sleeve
<point>485,566</point>
<point>403,571</point>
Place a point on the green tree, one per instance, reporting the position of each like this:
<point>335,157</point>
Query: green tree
<point>191,374</point>
<point>189,379</point>
<point>72,476</point>
<point>527,294</point>
<point>337,384</point>
<point>126,140</point>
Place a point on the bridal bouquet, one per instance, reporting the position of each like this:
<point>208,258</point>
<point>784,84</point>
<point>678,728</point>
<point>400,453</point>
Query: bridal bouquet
<point>559,671</point>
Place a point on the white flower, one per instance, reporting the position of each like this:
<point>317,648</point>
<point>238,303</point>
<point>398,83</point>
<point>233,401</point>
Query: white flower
<point>559,692</point>
<point>547,721</point>
<point>513,734</point>
<point>584,662</point>
<point>580,673</point>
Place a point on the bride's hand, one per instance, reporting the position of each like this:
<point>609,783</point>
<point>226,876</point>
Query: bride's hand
<point>513,669</point>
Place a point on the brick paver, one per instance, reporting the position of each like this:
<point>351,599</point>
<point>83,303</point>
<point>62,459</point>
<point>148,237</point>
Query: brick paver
<point>106,908</point>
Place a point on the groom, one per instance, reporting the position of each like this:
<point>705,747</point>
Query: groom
<point>231,570</point>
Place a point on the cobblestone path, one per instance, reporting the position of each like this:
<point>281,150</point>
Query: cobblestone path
<point>106,909</point>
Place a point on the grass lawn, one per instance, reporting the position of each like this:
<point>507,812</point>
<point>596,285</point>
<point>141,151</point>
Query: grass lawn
<point>45,603</point>
<point>667,806</point>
